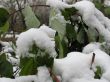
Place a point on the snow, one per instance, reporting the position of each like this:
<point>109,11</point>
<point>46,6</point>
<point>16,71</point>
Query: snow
<point>57,4</point>
<point>74,61</point>
<point>77,61</point>
<point>41,37</point>
<point>8,44</point>
<point>12,60</point>
<point>91,47</point>
<point>42,76</point>
<point>29,78</point>
<point>107,2</point>
<point>6,80</point>
<point>87,80</point>
<point>94,18</point>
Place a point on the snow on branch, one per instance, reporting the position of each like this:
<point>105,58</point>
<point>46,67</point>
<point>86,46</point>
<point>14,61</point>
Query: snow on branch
<point>94,18</point>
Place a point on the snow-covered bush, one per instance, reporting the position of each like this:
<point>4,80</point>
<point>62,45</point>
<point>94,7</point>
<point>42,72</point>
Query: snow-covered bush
<point>41,37</point>
<point>73,48</point>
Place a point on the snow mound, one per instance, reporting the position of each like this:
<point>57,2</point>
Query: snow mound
<point>78,66</point>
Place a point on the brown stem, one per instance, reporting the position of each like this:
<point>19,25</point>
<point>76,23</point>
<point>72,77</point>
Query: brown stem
<point>22,16</point>
<point>93,58</point>
<point>54,77</point>
<point>31,6</point>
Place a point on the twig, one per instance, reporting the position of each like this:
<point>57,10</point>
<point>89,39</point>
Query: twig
<point>93,58</point>
<point>22,16</point>
<point>31,6</point>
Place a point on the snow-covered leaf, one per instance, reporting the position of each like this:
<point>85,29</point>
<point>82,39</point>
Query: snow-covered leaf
<point>58,24</point>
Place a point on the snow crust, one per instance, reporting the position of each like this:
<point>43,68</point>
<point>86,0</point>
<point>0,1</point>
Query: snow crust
<point>43,38</point>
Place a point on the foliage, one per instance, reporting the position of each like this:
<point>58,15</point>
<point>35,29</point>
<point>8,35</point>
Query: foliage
<point>29,65</point>
<point>30,18</point>
<point>6,68</point>
<point>4,24</point>
<point>98,72</point>
<point>72,35</point>
<point>57,23</point>
<point>3,16</point>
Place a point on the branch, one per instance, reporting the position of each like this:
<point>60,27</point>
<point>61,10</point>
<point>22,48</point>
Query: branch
<point>31,6</point>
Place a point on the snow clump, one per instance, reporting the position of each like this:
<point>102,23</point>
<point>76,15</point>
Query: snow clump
<point>43,38</point>
<point>94,18</point>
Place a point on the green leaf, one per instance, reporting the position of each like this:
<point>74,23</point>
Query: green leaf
<point>4,15</point>
<point>5,27</point>
<point>92,34</point>
<point>45,60</point>
<point>6,68</point>
<point>65,47</point>
<point>98,5</point>
<point>80,36</point>
<point>98,73</point>
<point>28,66</point>
<point>70,32</point>
<point>107,11</point>
<point>30,18</point>
<point>101,38</point>
<point>59,47</point>
<point>57,24</point>
<point>68,12</point>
